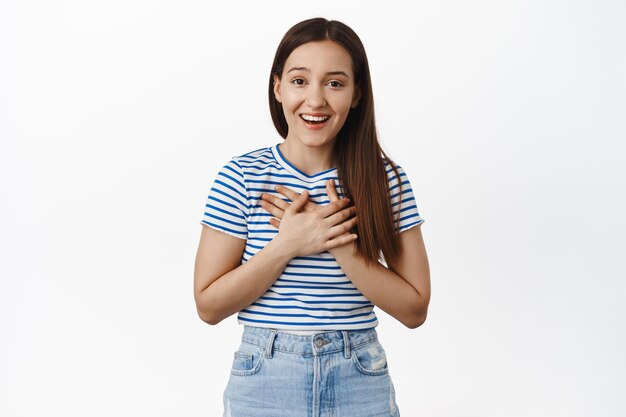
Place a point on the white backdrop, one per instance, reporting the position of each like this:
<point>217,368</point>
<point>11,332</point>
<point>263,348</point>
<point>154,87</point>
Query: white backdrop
<point>508,117</point>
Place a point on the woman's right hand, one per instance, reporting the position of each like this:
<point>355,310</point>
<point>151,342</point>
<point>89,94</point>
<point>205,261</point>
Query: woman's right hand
<point>311,231</point>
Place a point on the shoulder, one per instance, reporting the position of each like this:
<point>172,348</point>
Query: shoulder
<point>255,155</point>
<point>258,162</point>
<point>393,170</point>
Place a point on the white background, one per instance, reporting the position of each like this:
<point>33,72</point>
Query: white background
<point>508,117</point>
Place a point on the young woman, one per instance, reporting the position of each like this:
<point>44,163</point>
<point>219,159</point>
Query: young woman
<point>293,238</point>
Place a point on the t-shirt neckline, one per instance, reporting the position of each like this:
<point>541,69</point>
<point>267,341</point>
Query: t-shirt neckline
<point>295,171</point>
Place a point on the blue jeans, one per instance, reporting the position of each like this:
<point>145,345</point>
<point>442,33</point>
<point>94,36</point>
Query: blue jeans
<point>338,373</point>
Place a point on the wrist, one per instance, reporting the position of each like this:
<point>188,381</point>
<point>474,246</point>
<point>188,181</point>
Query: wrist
<point>283,248</point>
<point>343,250</point>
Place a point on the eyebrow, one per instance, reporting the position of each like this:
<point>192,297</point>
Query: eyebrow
<point>328,73</point>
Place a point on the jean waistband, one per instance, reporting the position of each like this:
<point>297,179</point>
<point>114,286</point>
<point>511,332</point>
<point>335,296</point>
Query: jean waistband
<point>322,342</point>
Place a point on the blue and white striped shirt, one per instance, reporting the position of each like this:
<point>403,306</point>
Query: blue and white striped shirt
<point>312,292</point>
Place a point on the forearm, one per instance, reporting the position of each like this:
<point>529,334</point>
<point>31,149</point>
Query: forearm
<point>243,285</point>
<point>383,287</point>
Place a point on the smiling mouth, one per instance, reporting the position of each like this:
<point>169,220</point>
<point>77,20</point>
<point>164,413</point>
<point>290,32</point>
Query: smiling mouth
<point>315,120</point>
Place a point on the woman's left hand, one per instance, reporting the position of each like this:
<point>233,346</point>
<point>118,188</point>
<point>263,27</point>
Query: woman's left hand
<point>277,206</point>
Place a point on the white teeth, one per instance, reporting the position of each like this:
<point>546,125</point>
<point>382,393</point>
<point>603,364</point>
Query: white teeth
<point>314,118</point>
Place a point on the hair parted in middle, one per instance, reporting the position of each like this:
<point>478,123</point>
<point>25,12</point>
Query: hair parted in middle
<point>360,158</point>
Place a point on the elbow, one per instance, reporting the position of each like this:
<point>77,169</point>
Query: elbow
<point>204,316</point>
<point>204,310</point>
<point>417,320</point>
<point>418,313</point>
<point>206,313</point>
<point>208,318</point>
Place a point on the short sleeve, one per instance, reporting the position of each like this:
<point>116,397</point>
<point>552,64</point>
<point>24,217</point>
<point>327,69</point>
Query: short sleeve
<point>403,205</point>
<point>226,207</point>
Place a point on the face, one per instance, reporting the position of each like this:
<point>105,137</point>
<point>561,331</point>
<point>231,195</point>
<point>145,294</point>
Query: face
<point>317,83</point>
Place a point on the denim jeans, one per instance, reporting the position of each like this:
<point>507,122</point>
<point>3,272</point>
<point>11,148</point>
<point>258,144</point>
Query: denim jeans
<point>338,373</point>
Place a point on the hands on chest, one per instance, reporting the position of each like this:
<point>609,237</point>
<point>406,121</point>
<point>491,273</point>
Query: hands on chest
<point>308,227</point>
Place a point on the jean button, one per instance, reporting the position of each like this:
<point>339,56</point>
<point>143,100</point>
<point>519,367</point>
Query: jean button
<point>321,342</point>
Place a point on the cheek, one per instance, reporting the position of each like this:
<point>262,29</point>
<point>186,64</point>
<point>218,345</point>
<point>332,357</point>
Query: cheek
<point>341,104</point>
<point>291,101</point>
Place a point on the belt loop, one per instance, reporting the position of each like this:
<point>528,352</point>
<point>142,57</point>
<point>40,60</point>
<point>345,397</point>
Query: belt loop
<point>270,343</point>
<point>346,344</point>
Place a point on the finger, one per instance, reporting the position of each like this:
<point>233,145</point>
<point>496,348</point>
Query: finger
<point>341,216</point>
<point>342,228</point>
<point>272,209</point>
<point>300,201</point>
<point>292,195</point>
<point>340,241</point>
<point>287,192</point>
<point>277,201</point>
<point>333,207</point>
<point>274,222</point>
<point>331,190</point>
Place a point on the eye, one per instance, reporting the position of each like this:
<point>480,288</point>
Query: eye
<point>336,82</point>
<point>297,79</point>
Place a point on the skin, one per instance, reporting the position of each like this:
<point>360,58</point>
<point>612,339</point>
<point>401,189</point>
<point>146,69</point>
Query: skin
<point>312,89</point>
<point>401,289</point>
<point>222,287</point>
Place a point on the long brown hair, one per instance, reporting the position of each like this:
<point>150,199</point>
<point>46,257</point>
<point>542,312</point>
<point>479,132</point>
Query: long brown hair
<point>359,157</point>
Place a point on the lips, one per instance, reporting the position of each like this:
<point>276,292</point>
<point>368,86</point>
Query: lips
<point>321,118</point>
<point>314,125</point>
<point>315,114</point>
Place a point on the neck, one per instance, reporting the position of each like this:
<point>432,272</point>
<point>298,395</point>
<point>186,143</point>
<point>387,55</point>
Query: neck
<point>308,159</point>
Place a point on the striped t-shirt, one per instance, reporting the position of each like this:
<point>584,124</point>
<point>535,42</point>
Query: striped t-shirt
<point>312,292</point>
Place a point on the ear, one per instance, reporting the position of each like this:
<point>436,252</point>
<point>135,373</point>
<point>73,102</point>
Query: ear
<point>357,95</point>
<point>277,88</point>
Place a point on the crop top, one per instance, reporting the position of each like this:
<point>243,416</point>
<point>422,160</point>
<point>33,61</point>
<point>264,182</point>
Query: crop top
<point>312,293</point>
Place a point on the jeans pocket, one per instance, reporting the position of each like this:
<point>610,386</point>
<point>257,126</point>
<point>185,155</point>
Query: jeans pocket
<point>247,360</point>
<point>370,359</point>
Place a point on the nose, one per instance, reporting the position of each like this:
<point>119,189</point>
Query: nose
<point>315,96</point>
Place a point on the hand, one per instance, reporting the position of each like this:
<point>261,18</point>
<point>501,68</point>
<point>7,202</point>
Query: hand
<point>307,226</point>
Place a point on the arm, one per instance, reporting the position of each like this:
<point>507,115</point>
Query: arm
<point>403,289</point>
<point>221,285</point>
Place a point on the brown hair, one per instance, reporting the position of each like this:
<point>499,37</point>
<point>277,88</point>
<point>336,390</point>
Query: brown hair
<point>360,158</point>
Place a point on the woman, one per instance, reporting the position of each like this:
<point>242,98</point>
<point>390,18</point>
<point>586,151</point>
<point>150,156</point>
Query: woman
<point>284,247</point>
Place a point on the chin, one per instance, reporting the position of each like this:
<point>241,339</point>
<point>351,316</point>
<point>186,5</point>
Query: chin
<point>316,141</point>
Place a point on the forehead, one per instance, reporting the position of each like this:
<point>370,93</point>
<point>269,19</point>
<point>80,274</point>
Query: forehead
<point>320,56</point>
